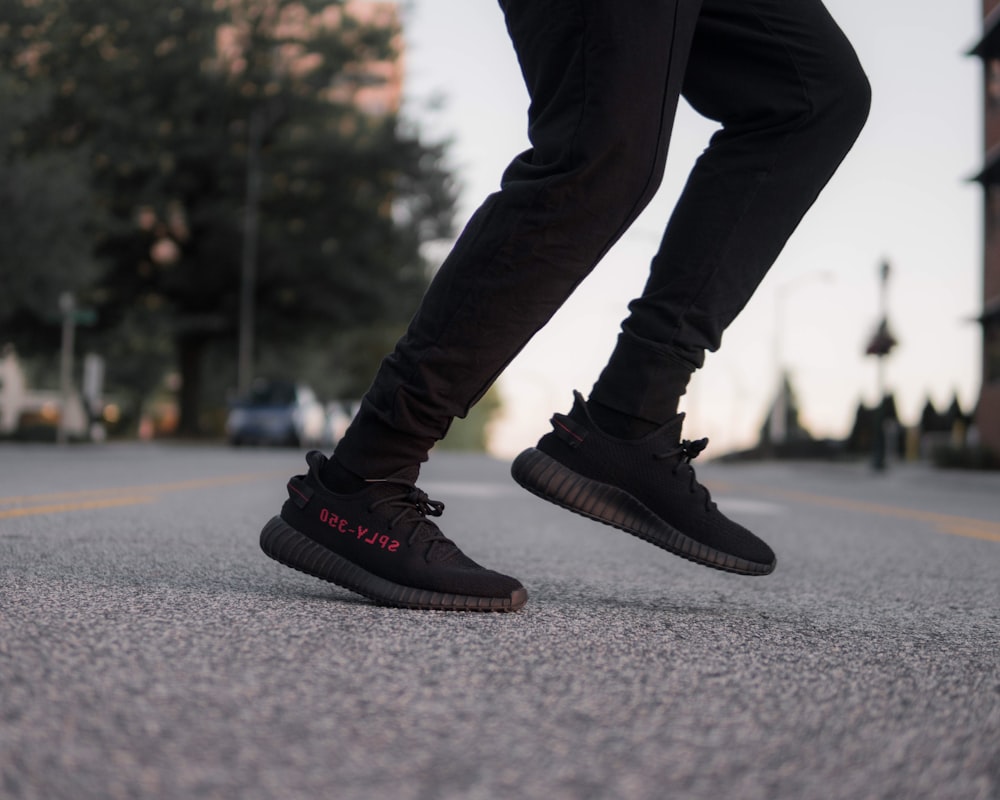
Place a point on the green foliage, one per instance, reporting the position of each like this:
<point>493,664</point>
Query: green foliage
<point>135,132</point>
<point>471,433</point>
<point>46,219</point>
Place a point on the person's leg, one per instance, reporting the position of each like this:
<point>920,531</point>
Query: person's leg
<point>791,97</point>
<point>604,77</point>
<point>787,88</point>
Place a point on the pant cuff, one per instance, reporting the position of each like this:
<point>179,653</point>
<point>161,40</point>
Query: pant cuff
<point>642,380</point>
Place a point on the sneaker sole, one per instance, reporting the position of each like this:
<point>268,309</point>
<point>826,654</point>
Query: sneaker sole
<point>545,477</point>
<point>284,544</point>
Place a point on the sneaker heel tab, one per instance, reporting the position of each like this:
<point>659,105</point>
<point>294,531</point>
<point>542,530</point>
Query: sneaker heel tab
<point>299,492</point>
<point>315,459</point>
<point>569,431</point>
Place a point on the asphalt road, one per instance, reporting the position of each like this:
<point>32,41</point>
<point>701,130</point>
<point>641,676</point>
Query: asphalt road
<point>149,650</point>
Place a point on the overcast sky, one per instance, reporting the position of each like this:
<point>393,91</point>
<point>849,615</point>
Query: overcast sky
<point>903,195</point>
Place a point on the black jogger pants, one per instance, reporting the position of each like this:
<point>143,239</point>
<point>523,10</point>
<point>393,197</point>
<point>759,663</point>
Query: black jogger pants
<point>604,78</point>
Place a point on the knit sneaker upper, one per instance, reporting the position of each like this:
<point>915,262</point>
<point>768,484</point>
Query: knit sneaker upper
<point>386,529</point>
<point>656,471</point>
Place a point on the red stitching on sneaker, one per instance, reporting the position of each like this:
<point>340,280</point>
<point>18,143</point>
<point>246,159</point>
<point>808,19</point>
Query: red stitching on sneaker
<point>291,488</point>
<point>572,433</point>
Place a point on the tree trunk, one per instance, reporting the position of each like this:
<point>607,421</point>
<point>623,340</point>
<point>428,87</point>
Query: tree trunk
<point>190,352</point>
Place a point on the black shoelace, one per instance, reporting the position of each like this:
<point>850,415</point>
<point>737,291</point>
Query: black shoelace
<point>688,450</point>
<point>414,507</point>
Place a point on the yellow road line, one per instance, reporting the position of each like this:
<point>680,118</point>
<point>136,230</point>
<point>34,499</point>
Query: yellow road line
<point>952,524</point>
<point>198,483</point>
<point>989,532</point>
<point>110,497</point>
<point>62,508</point>
<point>881,509</point>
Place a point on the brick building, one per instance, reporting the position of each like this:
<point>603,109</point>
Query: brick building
<point>988,49</point>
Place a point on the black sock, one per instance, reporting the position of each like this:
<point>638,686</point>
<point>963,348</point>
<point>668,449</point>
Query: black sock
<point>622,426</point>
<point>339,479</point>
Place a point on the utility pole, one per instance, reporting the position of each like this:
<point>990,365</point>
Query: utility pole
<point>67,308</point>
<point>880,346</point>
<point>248,272</point>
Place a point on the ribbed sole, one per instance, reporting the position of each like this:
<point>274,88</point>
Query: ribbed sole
<point>545,477</point>
<point>287,546</point>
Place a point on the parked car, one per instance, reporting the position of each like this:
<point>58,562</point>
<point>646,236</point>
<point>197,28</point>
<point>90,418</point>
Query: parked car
<point>277,413</point>
<point>339,414</point>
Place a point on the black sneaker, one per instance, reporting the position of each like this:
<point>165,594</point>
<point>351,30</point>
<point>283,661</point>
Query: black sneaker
<point>646,487</point>
<point>379,543</point>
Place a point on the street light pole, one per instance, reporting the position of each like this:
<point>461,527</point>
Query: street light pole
<point>883,344</point>
<point>248,271</point>
<point>67,307</point>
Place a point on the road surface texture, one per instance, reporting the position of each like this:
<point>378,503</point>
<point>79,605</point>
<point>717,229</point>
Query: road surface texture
<point>149,650</point>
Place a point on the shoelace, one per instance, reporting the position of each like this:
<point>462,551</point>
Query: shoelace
<point>414,507</point>
<point>688,450</point>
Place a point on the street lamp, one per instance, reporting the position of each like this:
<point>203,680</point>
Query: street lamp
<point>248,266</point>
<point>67,309</point>
<point>880,345</point>
<point>261,122</point>
<point>70,315</point>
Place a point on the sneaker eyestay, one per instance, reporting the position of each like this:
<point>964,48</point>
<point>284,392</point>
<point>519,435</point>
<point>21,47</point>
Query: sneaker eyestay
<point>414,507</point>
<point>688,450</point>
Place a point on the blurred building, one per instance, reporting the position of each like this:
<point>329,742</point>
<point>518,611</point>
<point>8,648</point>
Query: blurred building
<point>988,49</point>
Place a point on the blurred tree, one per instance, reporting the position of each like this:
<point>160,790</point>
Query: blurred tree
<point>785,411</point>
<point>175,105</point>
<point>472,433</point>
<point>46,223</point>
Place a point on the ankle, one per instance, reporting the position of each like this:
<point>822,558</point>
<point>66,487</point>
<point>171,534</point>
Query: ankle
<point>339,479</point>
<point>620,425</point>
